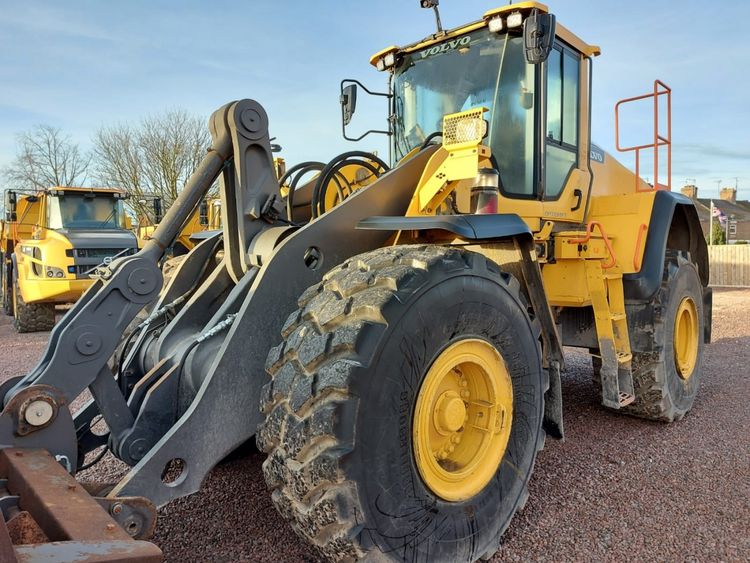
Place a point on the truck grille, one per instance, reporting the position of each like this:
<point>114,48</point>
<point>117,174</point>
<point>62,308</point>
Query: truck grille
<point>87,259</point>
<point>101,253</point>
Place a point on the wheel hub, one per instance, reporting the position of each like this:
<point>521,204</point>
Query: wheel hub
<point>686,338</point>
<point>450,412</point>
<point>462,419</point>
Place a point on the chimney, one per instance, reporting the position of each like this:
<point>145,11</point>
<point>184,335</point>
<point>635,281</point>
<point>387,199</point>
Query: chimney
<point>690,191</point>
<point>728,194</point>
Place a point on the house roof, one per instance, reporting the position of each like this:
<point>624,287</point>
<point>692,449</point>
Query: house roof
<point>740,209</point>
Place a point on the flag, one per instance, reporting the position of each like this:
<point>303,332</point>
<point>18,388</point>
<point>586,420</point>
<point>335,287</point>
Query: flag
<point>719,214</point>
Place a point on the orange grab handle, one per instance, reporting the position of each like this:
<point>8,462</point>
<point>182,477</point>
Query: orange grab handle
<point>637,257</point>
<point>607,243</point>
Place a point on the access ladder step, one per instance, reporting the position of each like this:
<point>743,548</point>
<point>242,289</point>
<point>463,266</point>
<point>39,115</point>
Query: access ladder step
<point>626,399</point>
<point>624,357</point>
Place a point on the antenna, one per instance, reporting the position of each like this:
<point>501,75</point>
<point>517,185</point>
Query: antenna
<point>718,186</point>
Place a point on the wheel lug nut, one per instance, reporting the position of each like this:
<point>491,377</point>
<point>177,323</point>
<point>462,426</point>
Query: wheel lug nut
<point>465,393</point>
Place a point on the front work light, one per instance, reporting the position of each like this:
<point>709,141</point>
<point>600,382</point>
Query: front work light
<point>515,20</point>
<point>495,24</point>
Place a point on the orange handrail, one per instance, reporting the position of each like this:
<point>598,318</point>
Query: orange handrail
<point>605,238</point>
<point>637,257</point>
<point>660,89</point>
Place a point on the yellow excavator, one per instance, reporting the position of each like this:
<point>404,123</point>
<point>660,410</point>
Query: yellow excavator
<point>395,350</point>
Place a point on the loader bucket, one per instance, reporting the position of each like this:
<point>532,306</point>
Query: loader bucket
<point>49,516</point>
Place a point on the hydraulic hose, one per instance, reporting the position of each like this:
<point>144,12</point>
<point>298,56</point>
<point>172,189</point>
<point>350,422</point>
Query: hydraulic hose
<point>296,173</point>
<point>332,172</point>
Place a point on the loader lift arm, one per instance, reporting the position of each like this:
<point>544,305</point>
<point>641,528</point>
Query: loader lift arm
<point>196,382</point>
<point>35,406</point>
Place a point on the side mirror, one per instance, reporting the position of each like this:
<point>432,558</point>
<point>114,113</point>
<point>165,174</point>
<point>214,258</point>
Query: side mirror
<point>203,213</point>
<point>157,210</point>
<point>10,205</point>
<point>348,102</point>
<point>538,36</point>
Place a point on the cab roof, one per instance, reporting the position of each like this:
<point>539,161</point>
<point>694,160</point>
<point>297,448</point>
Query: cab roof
<point>525,8</point>
<point>82,189</point>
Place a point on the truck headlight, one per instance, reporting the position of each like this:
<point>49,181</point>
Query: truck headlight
<point>53,272</point>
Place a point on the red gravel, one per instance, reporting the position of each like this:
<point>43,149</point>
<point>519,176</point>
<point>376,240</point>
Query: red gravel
<point>618,488</point>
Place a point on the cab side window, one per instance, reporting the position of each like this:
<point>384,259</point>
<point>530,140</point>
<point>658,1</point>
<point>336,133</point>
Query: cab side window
<point>562,119</point>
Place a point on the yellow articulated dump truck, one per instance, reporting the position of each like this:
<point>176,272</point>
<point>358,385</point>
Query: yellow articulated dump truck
<point>52,241</point>
<point>206,218</point>
<point>395,349</point>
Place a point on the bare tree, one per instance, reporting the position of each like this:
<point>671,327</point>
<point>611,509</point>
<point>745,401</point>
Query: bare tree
<point>153,158</point>
<point>117,163</point>
<point>45,158</point>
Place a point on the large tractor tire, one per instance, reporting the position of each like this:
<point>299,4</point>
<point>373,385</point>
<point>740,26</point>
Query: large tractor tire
<point>405,408</point>
<point>31,317</point>
<point>667,378</point>
<point>667,372</point>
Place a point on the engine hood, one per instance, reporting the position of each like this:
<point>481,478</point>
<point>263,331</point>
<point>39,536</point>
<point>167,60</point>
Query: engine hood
<point>85,238</point>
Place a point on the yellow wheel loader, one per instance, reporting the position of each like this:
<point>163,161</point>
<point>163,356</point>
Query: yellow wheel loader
<point>51,241</point>
<point>395,351</point>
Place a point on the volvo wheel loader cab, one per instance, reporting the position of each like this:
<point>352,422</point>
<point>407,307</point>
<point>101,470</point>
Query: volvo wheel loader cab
<point>52,241</point>
<point>395,349</point>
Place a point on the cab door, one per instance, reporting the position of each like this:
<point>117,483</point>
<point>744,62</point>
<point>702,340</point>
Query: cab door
<point>566,173</point>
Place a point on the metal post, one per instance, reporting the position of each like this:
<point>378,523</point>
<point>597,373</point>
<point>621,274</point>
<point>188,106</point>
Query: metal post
<point>711,224</point>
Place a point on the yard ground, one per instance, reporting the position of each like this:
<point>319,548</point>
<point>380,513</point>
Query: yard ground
<point>618,488</point>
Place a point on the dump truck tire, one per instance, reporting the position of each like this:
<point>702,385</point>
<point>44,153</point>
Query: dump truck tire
<point>347,390</point>
<point>667,379</point>
<point>6,286</point>
<point>31,317</point>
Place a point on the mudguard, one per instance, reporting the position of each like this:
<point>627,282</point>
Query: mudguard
<point>470,227</point>
<point>674,224</point>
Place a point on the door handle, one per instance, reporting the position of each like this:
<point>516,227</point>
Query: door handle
<point>578,194</point>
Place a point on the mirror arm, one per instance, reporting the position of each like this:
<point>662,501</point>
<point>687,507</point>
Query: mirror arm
<point>346,81</point>
<point>368,91</point>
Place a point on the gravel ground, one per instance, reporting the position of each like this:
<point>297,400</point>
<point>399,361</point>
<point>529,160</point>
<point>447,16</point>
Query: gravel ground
<point>618,488</point>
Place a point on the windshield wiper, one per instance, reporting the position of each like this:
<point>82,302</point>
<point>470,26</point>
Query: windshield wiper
<point>110,216</point>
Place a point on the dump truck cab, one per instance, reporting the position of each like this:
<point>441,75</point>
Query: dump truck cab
<point>53,240</point>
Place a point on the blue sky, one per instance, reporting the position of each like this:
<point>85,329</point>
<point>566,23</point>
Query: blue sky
<point>80,64</point>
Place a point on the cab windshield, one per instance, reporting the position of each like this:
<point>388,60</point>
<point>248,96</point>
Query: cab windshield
<point>476,69</point>
<point>85,211</point>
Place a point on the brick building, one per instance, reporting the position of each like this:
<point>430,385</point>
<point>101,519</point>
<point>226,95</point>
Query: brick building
<point>737,212</point>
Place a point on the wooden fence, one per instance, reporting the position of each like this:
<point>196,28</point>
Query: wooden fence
<point>730,265</point>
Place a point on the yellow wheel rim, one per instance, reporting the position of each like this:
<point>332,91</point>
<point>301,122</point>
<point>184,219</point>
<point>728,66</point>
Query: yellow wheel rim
<point>686,338</point>
<point>462,420</point>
